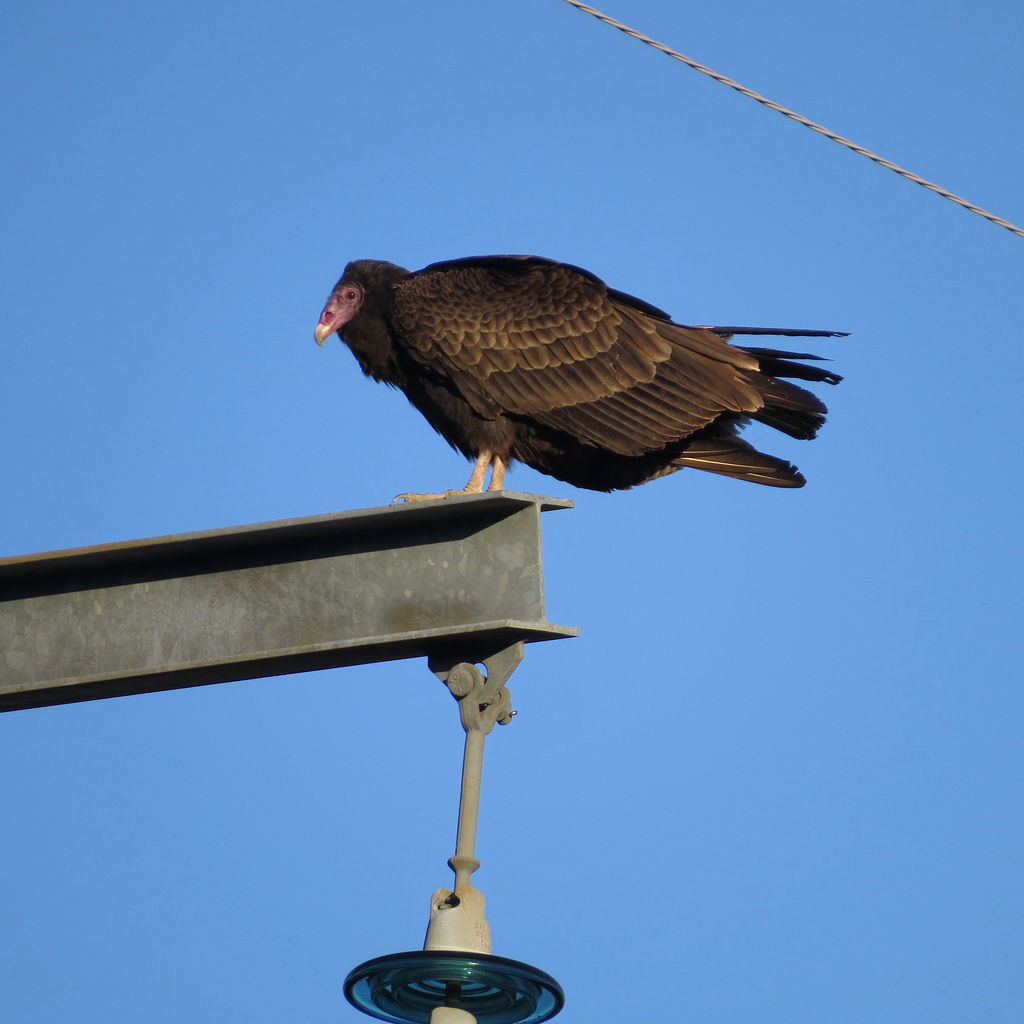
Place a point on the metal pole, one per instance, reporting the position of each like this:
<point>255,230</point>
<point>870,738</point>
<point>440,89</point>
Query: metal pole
<point>483,702</point>
<point>464,863</point>
<point>457,918</point>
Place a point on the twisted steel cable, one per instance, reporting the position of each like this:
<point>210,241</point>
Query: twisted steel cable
<point>799,118</point>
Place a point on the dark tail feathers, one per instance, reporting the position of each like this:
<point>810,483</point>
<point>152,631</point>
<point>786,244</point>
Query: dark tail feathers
<point>729,456</point>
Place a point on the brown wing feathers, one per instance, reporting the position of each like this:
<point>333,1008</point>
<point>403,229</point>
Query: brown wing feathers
<point>551,344</point>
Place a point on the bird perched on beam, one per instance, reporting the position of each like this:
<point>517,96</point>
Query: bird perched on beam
<point>518,358</point>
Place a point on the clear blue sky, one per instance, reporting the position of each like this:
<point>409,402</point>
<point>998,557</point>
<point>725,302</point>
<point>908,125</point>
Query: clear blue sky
<point>778,778</point>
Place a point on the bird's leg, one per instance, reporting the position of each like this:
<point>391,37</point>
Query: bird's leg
<point>474,485</point>
<point>498,467</point>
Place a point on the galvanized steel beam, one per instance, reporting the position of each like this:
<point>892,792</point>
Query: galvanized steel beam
<point>452,580</point>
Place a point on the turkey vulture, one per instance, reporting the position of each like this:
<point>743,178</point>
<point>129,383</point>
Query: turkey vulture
<point>522,358</point>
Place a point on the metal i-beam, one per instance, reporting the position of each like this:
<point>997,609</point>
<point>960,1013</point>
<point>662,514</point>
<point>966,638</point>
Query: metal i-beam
<point>459,578</point>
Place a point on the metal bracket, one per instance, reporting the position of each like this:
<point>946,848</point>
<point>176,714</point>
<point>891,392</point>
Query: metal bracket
<point>483,699</point>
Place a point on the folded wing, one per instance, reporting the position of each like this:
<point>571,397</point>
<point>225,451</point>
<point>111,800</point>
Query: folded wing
<point>524,336</point>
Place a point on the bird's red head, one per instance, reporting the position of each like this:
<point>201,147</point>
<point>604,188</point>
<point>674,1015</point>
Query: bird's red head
<point>344,303</point>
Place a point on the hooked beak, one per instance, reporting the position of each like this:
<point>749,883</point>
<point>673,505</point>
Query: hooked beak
<point>330,320</point>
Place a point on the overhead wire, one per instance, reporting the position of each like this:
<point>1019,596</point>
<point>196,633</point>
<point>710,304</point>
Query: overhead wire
<point>799,118</point>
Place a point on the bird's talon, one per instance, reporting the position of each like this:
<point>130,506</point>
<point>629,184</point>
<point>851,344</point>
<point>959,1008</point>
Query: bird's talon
<point>411,496</point>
